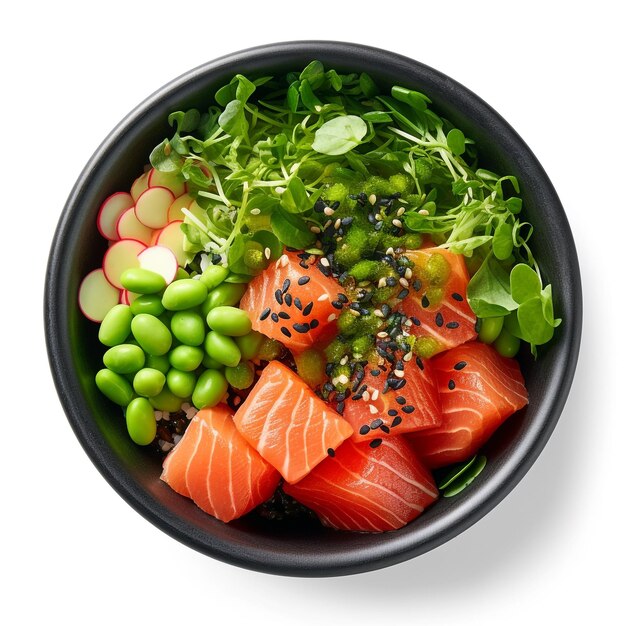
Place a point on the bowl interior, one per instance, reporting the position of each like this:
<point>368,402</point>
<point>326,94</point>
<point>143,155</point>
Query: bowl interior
<point>75,353</point>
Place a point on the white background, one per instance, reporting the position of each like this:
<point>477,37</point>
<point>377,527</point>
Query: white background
<point>73,552</point>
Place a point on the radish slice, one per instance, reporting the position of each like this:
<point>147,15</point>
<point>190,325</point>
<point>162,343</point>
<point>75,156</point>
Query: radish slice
<point>169,181</point>
<point>128,297</point>
<point>155,236</point>
<point>152,206</point>
<point>97,296</point>
<point>129,227</point>
<point>174,213</point>
<point>110,211</point>
<point>121,256</point>
<point>172,237</point>
<point>139,186</point>
<point>161,260</point>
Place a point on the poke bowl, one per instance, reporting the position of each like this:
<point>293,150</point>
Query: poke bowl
<point>267,540</point>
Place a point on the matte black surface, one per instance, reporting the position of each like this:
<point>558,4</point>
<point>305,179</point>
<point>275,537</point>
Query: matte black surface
<point>75,354</point>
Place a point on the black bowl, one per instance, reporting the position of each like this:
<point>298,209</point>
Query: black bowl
<point>133,472</point>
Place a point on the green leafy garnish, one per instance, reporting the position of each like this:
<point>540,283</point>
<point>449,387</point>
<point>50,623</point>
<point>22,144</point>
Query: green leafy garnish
<point>339,135</point>
<point>461,476</point>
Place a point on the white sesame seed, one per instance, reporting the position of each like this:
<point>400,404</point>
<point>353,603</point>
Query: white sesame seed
<point>328,211</point>
<point>324,262</point>
<point>389,251</point>
<point>404,282</point>
<point>366,396</point>
<point>423,212</point>
<point>399,373</point>
<point>337,223</point>
<point>372,199</point>
<point>373,409</point>
<point>407,357</point>
<point>315,229</point>
<point>279,190</point>
<point>397,223</point>
<point>332,317</point>
<point>378,217</point>
<point>283,260</point>
<point>378,313</point>
<point>355,313</point>
<point>408,273</point>
<point>382,334</point>
<point>255,211</point>
<point>344,360</point>
<point>381,283</point>
<point>375,394</point>
<point>268,253</point>
<point>323,297</point>
<point>343,379</point>
<point>400,211</point>
<point>408,323</point>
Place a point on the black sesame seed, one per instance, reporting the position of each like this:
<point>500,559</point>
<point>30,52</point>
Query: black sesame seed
<point>385,310</point>
<point>301,328</point>
<point>342,298</point>
<point>392,412</point>
<point>460,365</point>
<point>335,205</point>
<point>417,284</point>
<point>415,321</point>
<point>375,372</point>
<point>340,396</point>
<point>319,206</point>
<point>425,301</point>
<point>284,316</point>
<point>307,309</point>
<point>364,429</point>
<point>374,443</point>
<point>285,331</point>
<point>378,226</point>
<point>340,407</point>
<point>419,362</point>
<point>451,385</point>
<point>278,294</point>
<point>385,429</point>
<point>457,296</point>
<point>265,314</point>
<point>329,369</point>
<point>286,285</point>
<point>314,324</point>
<point>401,400</point>
<point>328,387</point>
<point>391,281</point>
<point>331,452</point>
<point>396,422</point>
<point>452,325</point>
<point>274,317</point>
<point>325,270</point>
<point>303,280</point>
<point>346,221</point>
<point>439,320</point>
<point>408,409</point>
<point>401,383</point>
<point>376,423</point>
<point>303,265</point>
<point>357,396</point>
<point>288,299</point>
<point>400,366</point>
<point>337,304</point>
<point>297,303</point>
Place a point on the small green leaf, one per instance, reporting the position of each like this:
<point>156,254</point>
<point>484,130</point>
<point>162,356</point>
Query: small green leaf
<point>376,117</point>
<point>414,99</point>
<point>313,73</point>
<point>308,97</point>
<point>269,240</point>
<point>291,229</point>
<point>293,96</point>
<point>368,86</point>
<point>295,198</point>
<point>467,245</point>
<point>233,120</point>
<point>535,329</point>
<point>488,291</point>
<point>454,473</point>
<point>503,241</point>
<point>514,204</point>
<point>525,283</point>
<point>548,307</point>
<point>165,159</point>
<point>456,141</point>
<point>339,135</point>
<point>468,477</point>
<point>334,79</point>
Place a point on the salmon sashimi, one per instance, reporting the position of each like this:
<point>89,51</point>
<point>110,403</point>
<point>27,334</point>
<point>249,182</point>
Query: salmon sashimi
<point>294,302</point>
<point>367,489</point>
<point>437,301</point>
<point>478,389</point>
<point>214,466</point>
<point>388,405</point>
<point>289,426</point>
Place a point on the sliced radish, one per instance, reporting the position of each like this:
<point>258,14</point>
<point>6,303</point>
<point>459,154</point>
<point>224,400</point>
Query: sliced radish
<point>129,227</point>
<point>139,186</point>
<point>121,256</point>
<point>172,237</point>
<point>110,211</point>
<point>172,182</point>
<point>155,236</point>
<point>152,206</point>
<point>174,212</point>
<point>128,297</point>
<point>97,296</point>
<point>161,260</point>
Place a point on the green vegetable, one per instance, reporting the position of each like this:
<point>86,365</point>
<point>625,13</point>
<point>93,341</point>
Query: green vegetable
<point>184,294</point>
<point>339,135</point>
<point>140,421</point>
<point>148,382</point>
<point>462,476</point>
<point>241,376</point>
<point>229,321</point>
<point>226,294</point>
<point>166,401</point>
<point>222,348</point>
<point>210,389</point>
<point>188,327</point>
<point>115,387</point>
<point>115,326</point>
<point>213,275</point>
<point>507,344</point>
<point>151,334</point>
<point>181,383</point>
<point>124,358</point>
<point>149,303</point>
<point>160,362</point>
<point>139,280</point>
<point>249,345</point>
<point>490,328</point>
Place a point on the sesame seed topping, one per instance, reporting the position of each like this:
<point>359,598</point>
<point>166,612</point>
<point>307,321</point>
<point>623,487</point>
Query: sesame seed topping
<point>460,365</point>
<point>382,334</point>
<point>439,319</point>
<point>396,421</point>
<point>303,280</point>
<point>373,409</point>
<point>284,259</point>
<point>423,212</point>
<point>278,294</point>
<point>328,211</point>
<point>401,400</point>
<point>307,309</point>
<point>397,223</point>
<point>364,429</point>
<point>338,223</point>
<point>331,318</point>
<point>286,285</point>
<point>378,313</point>
<point>283,315</point>
<point>408,409</point>
<point>408,273</point>
<point>331,452</point>
<point>404,282</point>
<point>457,296</point>
<point>392,412</point>
<point>344,360</point>
<point>314,324</point>
<point>366,396</point>
<point>452,325</point>
<point>407,357</point>
<point>425,301</point>
<point>378,217</point>
<point>265,314</point>
<point>400,211</point>
<point>285,331</point>
<point>268,253</point>
<point>403,294</point>
<point>300,328</point>
<point>323,297</point>
<point>297,303</point>
<point>389,251</point>
<point>255,211</point>
<point>275,317</point>
<point>315,229</point>
<point>381,283</point>
<point>375,395</point>
<point>374,443</point>
<point>451,385</point>
<point>419,363</point>
<point>377,423</point>
<point>324,261</point>
<point>398,373</point>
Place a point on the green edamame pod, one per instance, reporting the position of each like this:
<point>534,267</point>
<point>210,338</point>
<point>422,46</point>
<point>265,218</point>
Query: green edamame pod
<point>140,280</point>
<point>181,273</point>
<point>148,303</point>
<point>166,401</point>
<point>249,344</point>
<point>210,363</point>
<point>188,327</point>
<point>181,383</point>
<point>148,382</point>
<point>213,276</point>
<point>506,344</point>
<point>229,320</point>
<point>222,348</point>
<point>124,358</point>
<point>490,328</point>
<point>210,389</point>
<point>240,376</point>
<point>160,362</point>
<point>115,326</point>
<point>186,358</point>
<point>115,387</point>
<point>184,294</point>
<point>140,421</point>
<point>151,334</point>
<point>226,294</point>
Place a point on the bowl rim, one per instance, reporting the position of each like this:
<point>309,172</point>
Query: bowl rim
<point>395,548</point>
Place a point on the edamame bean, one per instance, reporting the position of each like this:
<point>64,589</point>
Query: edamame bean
<point>115,326</point>
<point>186,358</point>
<point>188,327</point>
<point>490,328</point>
<point>140,280</point>
<point>506,343</point>
<point>222,348</point>
<point>124,358</point>
<point>210,363</point>
<point>184,294</point>
<point>229,320</point>
<point>226,294</point>
<point>209,390</point>
<point>180,383</point>
<point>249,344</point>
<point>161,362</point>
<point>241,376</point>
<point>149,303</point>
<point>213,276</point>
<point>166,401</point>
<point>151,334</point>
<point>181,273</point>
<point>115,387</point>
<point>140,421</point>
<point>148,382</point>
